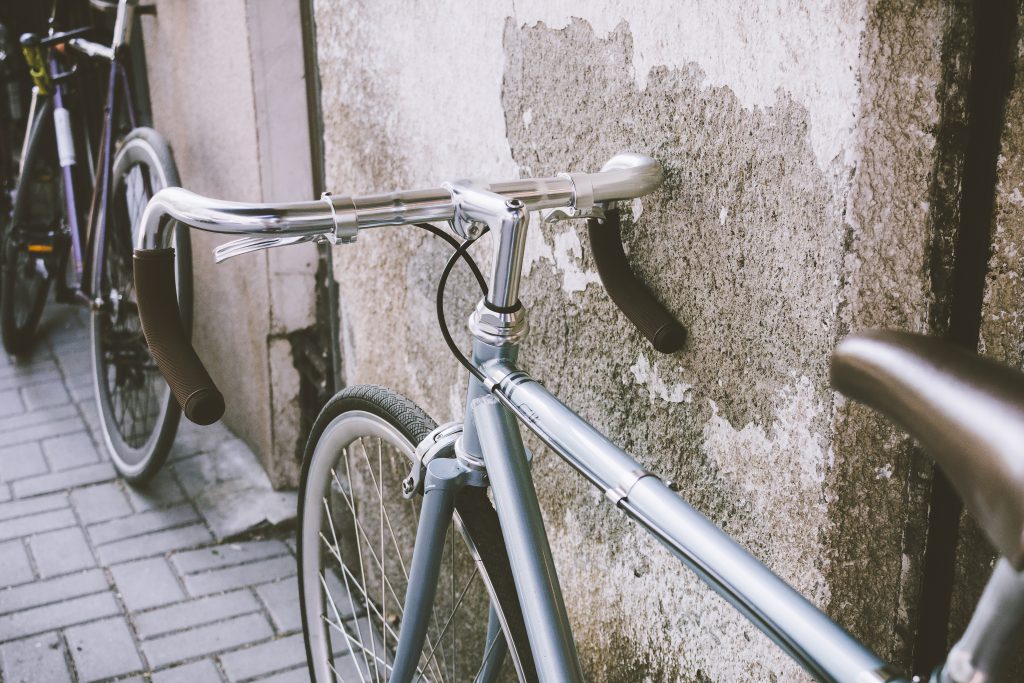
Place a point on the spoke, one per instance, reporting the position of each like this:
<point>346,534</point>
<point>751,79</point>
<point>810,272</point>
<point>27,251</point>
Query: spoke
<point>383,572</point>
<point>341,629</point>
<point>334,550</point>
<point>337,615</point>
<point>487,653</point>
<point>359,549</point>
<point>345,569</point>
<point>383,596</point>
<point>387,517</point>
<point>330,520</point>
<point>359,528</point>
<point>455,609</point>
<point>380,495</point>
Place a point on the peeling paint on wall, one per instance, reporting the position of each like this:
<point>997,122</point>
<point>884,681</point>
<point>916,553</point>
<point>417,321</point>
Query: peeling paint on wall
<point>757,242</point>
<point>647,375</point>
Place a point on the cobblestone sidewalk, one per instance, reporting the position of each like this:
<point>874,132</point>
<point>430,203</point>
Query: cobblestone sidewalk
<point>102,582</point>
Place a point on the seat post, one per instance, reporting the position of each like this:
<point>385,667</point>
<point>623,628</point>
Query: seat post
<point>994,632</point>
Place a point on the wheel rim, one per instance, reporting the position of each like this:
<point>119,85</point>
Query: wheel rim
<point>131,384</point>
<point>356,550</point>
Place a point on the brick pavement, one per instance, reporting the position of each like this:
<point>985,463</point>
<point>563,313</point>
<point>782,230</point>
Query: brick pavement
<point>99,581</point>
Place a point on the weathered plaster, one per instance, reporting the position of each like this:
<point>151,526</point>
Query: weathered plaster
<point>795,208</point>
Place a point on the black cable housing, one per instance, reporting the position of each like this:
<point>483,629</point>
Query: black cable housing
<point>460,252</point>
<point>438,232</point>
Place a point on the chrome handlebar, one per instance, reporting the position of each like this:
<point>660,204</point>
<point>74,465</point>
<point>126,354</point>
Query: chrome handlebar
<point>340,219</point>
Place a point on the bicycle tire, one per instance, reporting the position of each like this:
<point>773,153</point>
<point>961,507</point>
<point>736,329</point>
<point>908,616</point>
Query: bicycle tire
<point>366,412</point>
<point>38,207</point>
<point>138,415</point>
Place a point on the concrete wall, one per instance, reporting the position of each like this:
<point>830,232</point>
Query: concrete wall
<point>814,152</point>
<point>228,92</point>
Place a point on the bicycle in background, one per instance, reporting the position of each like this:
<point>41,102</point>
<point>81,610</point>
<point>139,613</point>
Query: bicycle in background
<point>76,209</point>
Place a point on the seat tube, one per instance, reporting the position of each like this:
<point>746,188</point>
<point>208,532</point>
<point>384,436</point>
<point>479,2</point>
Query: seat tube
<point>522,527</point>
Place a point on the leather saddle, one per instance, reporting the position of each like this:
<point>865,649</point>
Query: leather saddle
<point>966,411</point>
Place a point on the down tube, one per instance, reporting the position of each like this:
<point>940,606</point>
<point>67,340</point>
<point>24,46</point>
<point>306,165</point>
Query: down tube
<point>822,647</point>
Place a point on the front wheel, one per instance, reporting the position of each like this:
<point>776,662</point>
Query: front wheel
<point>356,538</point>
<point>138,415</point>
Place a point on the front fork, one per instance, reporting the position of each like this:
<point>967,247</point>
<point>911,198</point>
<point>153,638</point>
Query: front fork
<point>444,478</point>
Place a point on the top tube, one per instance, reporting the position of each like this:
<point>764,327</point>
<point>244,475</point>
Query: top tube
<point>625,176</point>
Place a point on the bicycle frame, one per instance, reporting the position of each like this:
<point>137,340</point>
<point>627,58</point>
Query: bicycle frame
<point>501,395</point>
<point>77,283</point>
<point>507,395</point>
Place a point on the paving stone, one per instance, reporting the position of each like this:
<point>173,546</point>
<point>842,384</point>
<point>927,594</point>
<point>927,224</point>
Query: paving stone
<point>265,658</point>
<point>81,391</point>
<point>192,439</point>
<point>23,460</point>
<point>44,372</point>
<point>42,431</point>
<point>21,508</point>
<point>227,555</point>
<point>282,601</point>
<point>43,521</point>
<point>156,543</point>
<point>146,583</point>
<point>194,613</point>
<point>76,363</point>
<point>219,580</point>
<point>37,417</point>
<point>103,649</point>
<point>91,417</point>
<point>45,394</point>
<point>70,450</point>
<point>5,493</point>
<point>58,615</point>
<point>206,640</point>
<point>23,368</point>
<point>162,491</point>
<point>80,387</point>
<point>61,552</point>
<point>10,403</point>
<point>15,567</point>
<point>301,675</point>
<point>146,522</point>
<point>215,481</point>
<point>40,658</point>
<point>100,503</point>
<point>203,671</point>
<point>80,476</point>
<point>52,590</point>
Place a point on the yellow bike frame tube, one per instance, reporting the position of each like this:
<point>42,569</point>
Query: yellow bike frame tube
<point>37,67</point>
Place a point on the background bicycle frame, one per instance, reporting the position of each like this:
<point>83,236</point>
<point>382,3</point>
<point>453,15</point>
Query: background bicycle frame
<point>77,280</point>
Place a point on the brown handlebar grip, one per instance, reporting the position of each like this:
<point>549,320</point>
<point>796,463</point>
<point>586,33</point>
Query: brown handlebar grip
<point>649,316</point>
<point>168,342</point>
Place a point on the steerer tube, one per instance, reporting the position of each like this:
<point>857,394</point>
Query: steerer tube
<point>822,647</point>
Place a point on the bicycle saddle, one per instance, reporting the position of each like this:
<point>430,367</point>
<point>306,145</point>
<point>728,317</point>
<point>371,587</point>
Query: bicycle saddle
<point>967,412</point>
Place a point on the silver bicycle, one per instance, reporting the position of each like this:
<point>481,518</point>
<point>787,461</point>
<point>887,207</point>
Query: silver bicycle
<point>422,552</point>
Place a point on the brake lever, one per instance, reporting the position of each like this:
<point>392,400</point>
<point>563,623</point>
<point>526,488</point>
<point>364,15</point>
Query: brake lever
<point>248,244</point>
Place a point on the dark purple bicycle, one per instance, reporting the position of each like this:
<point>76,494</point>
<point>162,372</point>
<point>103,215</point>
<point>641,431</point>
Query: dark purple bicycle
<point>76,208</point>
